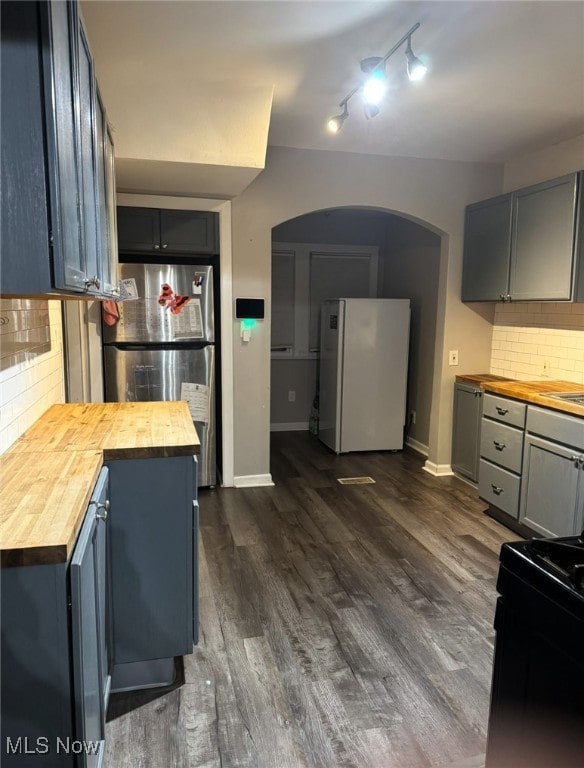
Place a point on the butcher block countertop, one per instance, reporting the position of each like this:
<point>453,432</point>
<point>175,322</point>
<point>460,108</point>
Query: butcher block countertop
<point>48,475</point>
<point>478,379</point>
<point>119,430</point>
<point>537,393</point>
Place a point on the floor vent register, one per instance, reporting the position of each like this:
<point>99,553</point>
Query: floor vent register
<point>355,480</point>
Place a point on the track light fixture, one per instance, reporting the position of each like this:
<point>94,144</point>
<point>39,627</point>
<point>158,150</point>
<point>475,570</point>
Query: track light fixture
<point>374,87</point>
<point>416,68</point>
<point>336,123</point>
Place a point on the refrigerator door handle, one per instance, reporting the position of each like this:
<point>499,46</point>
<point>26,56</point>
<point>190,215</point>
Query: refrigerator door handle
<point>131,347</point>
<point>161,345</point>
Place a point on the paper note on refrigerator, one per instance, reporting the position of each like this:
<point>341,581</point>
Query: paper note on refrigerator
<point>197,398</point>
<point>189,323</point>
<point>128,289</point>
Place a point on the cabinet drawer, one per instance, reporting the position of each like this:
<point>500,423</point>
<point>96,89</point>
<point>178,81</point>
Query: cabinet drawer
<point>499,487</point>
<point>556,426</point>
<point>504,410</point>
<point>502,445</point>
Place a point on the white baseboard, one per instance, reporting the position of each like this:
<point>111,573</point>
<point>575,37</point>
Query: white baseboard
<point>252,481</point>
<point>417,446</point>
<point>438,470</point>
<point>291,426</point>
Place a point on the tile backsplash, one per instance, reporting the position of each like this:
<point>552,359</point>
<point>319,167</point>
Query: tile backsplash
<point>31,364</point>
<point>539,341</point>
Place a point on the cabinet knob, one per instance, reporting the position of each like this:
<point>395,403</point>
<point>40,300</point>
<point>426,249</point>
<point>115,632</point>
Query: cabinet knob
<point>101,510</point>
<point>156,247</point>
<point>165,245</point>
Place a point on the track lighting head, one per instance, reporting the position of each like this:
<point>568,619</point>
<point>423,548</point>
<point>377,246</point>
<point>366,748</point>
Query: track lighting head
<point>336,123</point>
<point>370,110</point>
<point>373,89</point>
<point>416,68</point>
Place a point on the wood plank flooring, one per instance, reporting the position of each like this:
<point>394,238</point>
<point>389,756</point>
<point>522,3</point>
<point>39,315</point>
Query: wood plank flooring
<point>342,626</point>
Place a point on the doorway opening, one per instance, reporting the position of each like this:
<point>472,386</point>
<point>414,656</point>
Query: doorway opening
<point>358,252</point>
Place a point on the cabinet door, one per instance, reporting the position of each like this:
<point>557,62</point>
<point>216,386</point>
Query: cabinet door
<point>110,189</point>
<point>138,229</point>
<point>22,162</point>
<point>87,144</point>
<point>466,430</point>
<point>62,147</point>
<point>487,248</point>
<point>188,231</point>
<point>108,247</point>
<point>87,573</point>
<point>549,497</point>
<point>152,558</point>
<point>542,262</point>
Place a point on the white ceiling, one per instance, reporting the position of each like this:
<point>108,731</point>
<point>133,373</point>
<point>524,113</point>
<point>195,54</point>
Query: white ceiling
<point>196,90</point>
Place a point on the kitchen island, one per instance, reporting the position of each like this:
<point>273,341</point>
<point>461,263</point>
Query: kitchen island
<point>99,540</point>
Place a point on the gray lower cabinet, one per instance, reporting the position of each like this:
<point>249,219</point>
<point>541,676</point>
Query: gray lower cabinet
<point>466,430</point>
<point>508,241</point>
<point>552,499</point>
<point>154,570</point>
<point>55,664</point>
<point>502,430</point>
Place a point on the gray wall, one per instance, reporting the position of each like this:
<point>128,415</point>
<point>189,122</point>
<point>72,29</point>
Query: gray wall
<point>409,259</point>
<point>297,182</point>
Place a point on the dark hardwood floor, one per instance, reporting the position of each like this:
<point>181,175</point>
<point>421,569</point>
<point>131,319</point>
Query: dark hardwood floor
<point>341,625</point>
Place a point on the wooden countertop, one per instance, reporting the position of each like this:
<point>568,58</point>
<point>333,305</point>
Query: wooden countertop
<point>43,498</point>
<point>479,379</point>
<point>537,393</point>
<point>119,430</point>
<point>47,476</point>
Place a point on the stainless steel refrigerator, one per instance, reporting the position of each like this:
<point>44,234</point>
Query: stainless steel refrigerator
<point>363,373</point>
<point>162,346</point>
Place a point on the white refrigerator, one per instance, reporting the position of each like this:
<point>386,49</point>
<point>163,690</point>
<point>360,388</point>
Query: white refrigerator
<point>364,346</point>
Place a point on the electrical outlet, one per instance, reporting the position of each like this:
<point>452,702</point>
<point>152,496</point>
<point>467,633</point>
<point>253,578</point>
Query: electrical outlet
<point>453,357</point>
<point>412,417</point>
<point>291,396</point>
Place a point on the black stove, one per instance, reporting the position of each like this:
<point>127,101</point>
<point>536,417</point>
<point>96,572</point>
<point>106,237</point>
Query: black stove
<point>537,696</point>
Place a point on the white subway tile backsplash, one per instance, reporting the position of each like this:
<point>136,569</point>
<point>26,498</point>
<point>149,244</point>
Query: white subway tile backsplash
<point>31,385</point>
<point>539,341</point>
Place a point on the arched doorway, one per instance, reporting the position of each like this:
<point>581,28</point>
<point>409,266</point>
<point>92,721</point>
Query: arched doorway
<point>407,266</point>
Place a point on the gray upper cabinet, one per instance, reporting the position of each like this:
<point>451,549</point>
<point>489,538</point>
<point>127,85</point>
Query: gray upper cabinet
<point>526,245</point>
<point>153,230</point>
<point>487,248</point>
<point>544,240</point>
<point>51,210</point>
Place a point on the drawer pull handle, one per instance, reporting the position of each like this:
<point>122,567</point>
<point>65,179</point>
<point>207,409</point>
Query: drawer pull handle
<point>496,490</point>
<point>498,446</point>
<point>502,411</point>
